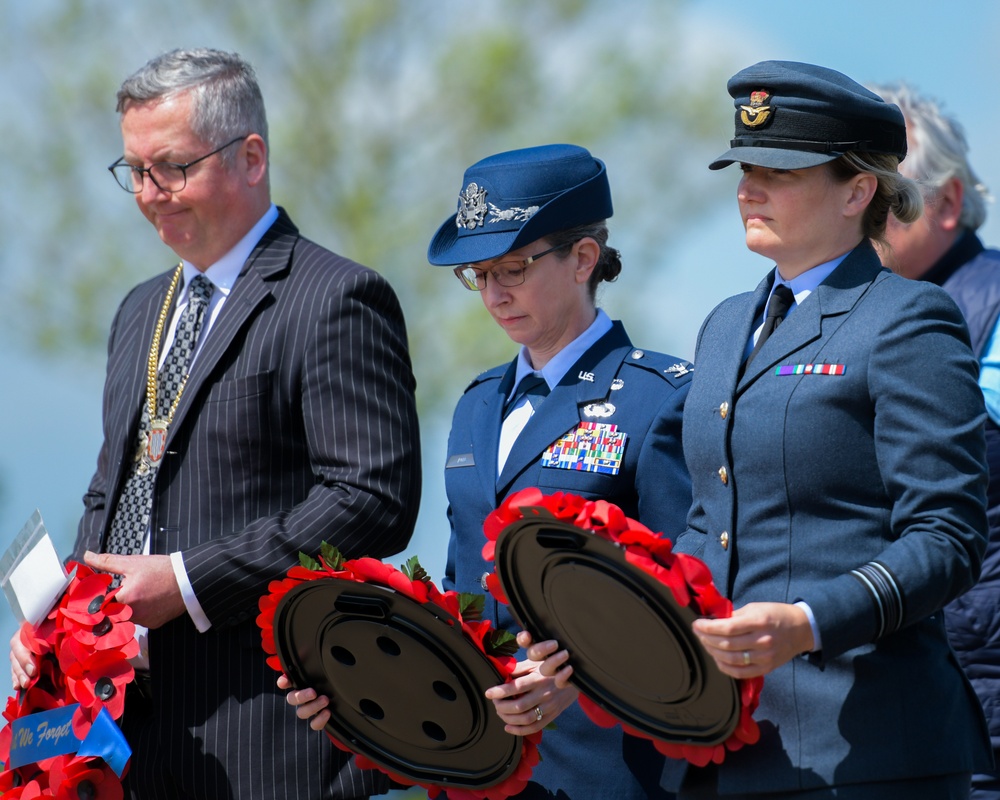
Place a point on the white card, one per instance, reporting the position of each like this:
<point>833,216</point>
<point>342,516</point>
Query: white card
<point>31,573</point>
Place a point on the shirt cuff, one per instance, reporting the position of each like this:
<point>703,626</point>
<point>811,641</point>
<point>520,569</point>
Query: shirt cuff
<point>194,609</point>
<point>817,642</point>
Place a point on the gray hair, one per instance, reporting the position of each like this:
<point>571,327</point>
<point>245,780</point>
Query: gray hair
<point>938,151</point>
<point>227,99</point>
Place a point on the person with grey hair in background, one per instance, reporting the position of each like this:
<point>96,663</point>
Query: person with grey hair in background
<point>259,400</point>
<point>942,247</point>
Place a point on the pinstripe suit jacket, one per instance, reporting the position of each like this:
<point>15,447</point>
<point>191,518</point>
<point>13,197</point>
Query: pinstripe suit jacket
<point>297,424</point>
<point>862,494</point>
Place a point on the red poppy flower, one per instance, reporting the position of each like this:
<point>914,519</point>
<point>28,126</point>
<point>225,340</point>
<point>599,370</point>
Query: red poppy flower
<point>85,777</point>
<point>687,577</point>
<point>81,651</point>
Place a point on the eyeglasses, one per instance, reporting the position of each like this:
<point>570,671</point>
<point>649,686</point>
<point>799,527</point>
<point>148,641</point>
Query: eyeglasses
<point>165,175</point>
<point>505,273</point>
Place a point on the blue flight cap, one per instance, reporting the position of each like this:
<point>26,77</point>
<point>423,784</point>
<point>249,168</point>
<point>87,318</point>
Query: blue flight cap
<point>511,199</point>
<point>792,116</point>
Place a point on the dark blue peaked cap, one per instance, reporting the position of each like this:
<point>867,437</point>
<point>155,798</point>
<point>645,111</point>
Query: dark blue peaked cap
<point>511,199</point>
<point>792,116</point>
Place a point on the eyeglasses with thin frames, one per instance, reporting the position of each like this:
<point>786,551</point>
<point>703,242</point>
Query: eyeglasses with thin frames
<point>505,273</point>
<point>167,176</point>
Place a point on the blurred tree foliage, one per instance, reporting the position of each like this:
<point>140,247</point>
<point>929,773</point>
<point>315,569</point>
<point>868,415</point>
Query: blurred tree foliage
<point>376,107</point>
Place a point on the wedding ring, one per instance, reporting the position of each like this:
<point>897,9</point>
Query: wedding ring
<point>746,658</point>
<point>538,713</point>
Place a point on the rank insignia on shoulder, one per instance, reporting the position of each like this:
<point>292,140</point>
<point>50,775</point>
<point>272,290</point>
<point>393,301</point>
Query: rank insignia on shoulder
<point>679,369</point>
<point>590,447</point>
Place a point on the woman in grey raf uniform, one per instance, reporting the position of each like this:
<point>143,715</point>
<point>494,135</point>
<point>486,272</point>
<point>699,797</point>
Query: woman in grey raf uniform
<point>530,237</point>
<point>838,465</point>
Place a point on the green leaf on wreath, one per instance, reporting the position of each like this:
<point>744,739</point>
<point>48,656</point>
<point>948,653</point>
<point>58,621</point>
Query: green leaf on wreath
<point>309,562</point>
<point>500,643</point>
<point>331,555</point>
<point>471,606</point>
<point>414,571</point>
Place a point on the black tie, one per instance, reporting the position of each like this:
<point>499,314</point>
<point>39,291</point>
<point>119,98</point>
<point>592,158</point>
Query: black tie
<point>531,386</point>
<point>781,300</point>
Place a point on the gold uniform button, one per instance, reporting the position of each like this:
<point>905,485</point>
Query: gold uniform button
<point>724,540</point>
<point>724,410</point>
<point>724,476</point>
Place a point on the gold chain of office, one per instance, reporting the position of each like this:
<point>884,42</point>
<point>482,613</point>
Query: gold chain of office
<point>144,456</point>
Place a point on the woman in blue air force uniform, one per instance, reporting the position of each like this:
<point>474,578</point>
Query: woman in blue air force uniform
<point>530,237</point>
<point>839,477</point>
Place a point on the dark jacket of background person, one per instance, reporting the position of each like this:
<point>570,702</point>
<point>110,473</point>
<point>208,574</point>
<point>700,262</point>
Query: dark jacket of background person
<point>971,275</point>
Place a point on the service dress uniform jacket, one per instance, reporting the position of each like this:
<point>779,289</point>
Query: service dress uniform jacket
<point>846,469</point>
<point>297,425</point>
<point>614,383</point>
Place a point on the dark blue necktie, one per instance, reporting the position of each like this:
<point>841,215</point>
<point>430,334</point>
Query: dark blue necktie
<point>531,386</point>
<point>781,300</point>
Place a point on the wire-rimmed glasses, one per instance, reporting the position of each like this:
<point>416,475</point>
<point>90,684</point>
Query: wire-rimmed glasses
<point>167,176</point>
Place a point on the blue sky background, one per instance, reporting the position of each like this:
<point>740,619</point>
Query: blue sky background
<point>50,407</point>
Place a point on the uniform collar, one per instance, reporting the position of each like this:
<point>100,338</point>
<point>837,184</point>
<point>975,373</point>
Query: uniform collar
<point>560,363</point>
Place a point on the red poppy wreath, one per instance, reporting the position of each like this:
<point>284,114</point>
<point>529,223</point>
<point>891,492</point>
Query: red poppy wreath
<point>82,649</point>
<point>411,582</point>
<point>688,579</point>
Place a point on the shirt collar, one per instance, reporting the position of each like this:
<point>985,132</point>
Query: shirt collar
<point>559,364</point>
<point>805,284</point>
<point>224,272</point>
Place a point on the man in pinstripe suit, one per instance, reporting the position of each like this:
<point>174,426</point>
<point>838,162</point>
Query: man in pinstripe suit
<point>296,423</point>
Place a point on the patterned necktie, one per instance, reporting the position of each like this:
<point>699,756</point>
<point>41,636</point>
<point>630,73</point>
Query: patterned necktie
<point>781,300</point>
<point>128,529</point>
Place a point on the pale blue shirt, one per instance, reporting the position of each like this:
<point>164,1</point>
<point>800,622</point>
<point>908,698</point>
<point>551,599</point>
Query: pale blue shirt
<point>559,364</point>
<point>989,374</point>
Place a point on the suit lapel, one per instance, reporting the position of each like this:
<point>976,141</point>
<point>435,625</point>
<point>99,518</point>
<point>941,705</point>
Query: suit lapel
<point>268,259</point>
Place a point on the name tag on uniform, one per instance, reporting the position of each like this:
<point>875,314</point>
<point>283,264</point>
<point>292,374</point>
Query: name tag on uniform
<point>590,447</point>
<point>460,460</point>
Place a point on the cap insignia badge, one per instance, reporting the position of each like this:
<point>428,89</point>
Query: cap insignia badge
<point>514,213</point>
<point>471,207</point>
<point>756,114</point>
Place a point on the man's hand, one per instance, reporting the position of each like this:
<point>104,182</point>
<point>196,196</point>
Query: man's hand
<point>307,705</point>
<point>22,662</point>
<point>148,586</point>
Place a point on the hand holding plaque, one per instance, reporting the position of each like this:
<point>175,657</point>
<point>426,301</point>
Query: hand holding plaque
<point>621,602</point>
